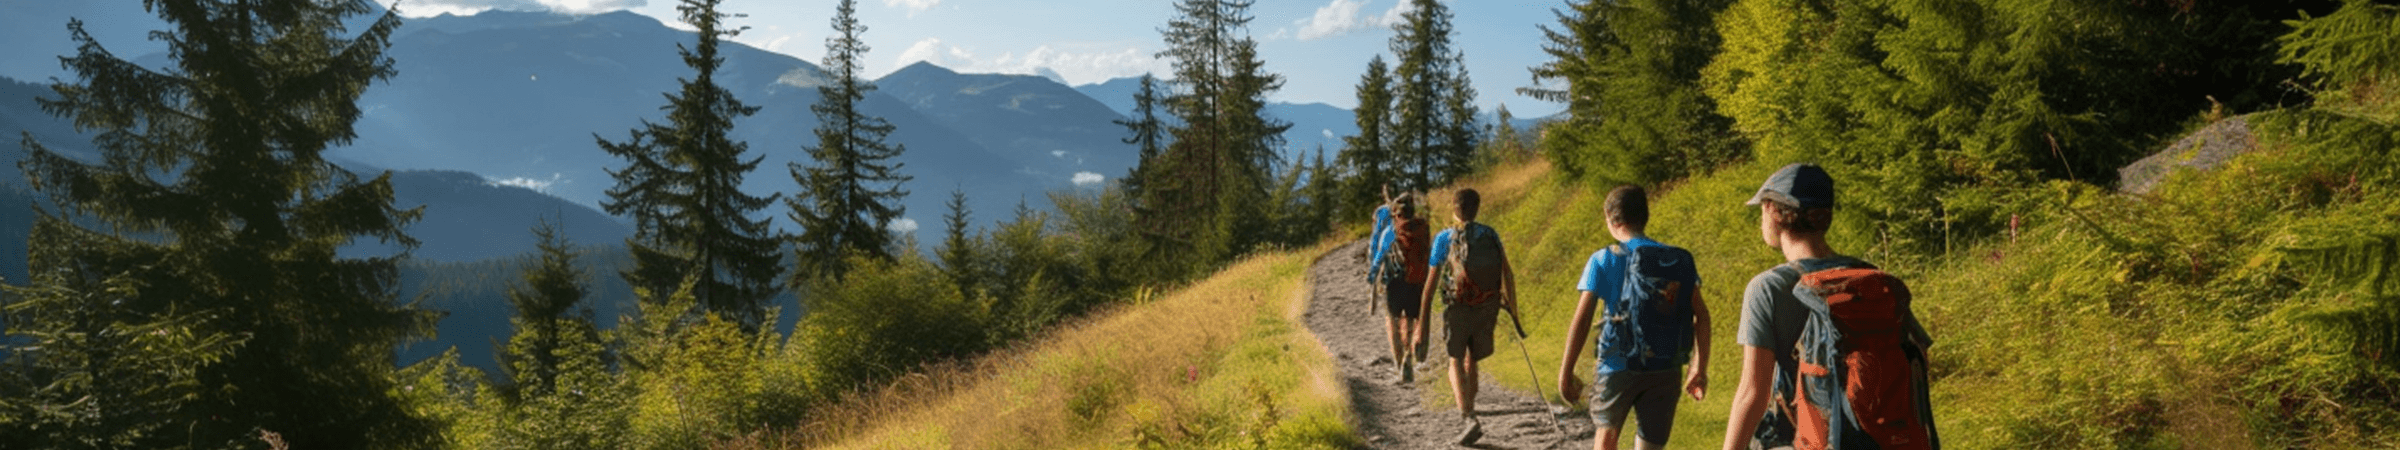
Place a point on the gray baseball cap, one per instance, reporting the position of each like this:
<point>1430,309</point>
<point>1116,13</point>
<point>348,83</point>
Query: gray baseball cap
<point>1800,184</point>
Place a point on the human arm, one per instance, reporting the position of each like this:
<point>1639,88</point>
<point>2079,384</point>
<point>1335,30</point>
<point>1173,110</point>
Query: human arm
<point>1578,330</point>
<point>1750,398</point>
<point>1696,382</point>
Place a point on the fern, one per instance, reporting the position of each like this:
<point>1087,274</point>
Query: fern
<point>2360,265</point>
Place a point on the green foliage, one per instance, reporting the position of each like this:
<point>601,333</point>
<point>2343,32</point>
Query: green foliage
<point>682,188</point>
<point>1433,102</point>
<point>694,381</point>
<point>561,391</point>
<point>1145,131</point>
<point>882,321</point>
<point>1203,200</point>
<point>2352,54</point>
<point>853,192</point>
<point>1929,101</point>
<point>1632,75</point>
<point>205,304</point>
<point>2244,301</point>
<point>1367,158</point>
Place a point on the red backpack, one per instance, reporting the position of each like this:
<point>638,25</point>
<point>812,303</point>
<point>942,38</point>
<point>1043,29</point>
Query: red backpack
<point>1412,241</point>
<point>1861,381</point>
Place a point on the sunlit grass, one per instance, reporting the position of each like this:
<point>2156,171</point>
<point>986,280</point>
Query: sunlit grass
<point>1221,362</point>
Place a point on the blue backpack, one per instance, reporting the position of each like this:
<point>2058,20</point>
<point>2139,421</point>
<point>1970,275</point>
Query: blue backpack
<point>1651,322</point>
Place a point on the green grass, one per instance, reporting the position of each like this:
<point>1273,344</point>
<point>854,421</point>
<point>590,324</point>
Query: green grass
<point>2174,320</point>
<point>2195,316</point>
<point>1222,363</point>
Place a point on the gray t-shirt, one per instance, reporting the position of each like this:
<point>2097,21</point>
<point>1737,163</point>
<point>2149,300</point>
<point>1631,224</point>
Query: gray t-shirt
<point>1772,317</point>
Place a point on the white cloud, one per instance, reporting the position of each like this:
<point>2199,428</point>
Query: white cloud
<point>914,6</point>
<point>935,51</point>
<point>1080,64</point>
<point>1089,179</point>
<point>902,225</point>
<point>425,8</point>
<point>536,184</point>
<point>1333,19</point>
<point>1342,17</point>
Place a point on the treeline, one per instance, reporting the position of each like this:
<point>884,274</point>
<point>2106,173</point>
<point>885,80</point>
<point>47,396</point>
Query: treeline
<point>1951,110</point>
<point>2246,303</point>
<point>186,290</point>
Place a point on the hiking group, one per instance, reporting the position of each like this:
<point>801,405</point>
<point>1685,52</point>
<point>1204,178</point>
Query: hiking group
<point>1832,356</point>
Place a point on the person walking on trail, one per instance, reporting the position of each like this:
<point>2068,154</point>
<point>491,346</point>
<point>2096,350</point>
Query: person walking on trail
<point>1402,265</point>
<point>1783,337</point>
<point>1482,285</point>
<point>1378,236</point>
<point>1652,308</point>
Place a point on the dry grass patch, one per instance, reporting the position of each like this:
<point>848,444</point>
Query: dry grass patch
<point>1222,362</point>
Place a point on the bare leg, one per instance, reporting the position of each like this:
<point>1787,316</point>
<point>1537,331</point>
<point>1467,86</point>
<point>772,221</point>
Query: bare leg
<point>1462,383</point>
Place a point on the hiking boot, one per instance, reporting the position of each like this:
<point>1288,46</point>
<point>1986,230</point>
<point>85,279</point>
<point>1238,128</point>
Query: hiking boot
<point>1473,433</point>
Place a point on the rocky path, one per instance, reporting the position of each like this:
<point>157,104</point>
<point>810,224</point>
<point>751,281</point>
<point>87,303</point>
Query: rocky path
<point>1420,415</point>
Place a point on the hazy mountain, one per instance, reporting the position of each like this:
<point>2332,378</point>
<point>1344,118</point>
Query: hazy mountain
<point>468,218</point>
<point>1051,130</point>
<point>518,97</point>
<point>1312,123</point>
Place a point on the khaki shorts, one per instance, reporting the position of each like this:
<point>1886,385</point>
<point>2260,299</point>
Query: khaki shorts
<point>1467,329</point>
<point>1650,395</point>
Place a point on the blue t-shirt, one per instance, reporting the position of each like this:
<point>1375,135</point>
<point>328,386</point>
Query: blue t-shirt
<point>1440,251</point>
<point>1604,276</point>
<point>1378,240</point>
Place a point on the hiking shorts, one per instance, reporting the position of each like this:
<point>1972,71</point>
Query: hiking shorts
<point>1467,329</point>
<point>1401,300</point>
<point>1651,395</point>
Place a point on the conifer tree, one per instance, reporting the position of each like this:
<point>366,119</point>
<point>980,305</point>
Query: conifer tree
<point>1433,113</point>
<point>853,191</point>
<point>188,291</point>
<point>958,256</point>
<point>1144,131</point>
<point>561,393</point>
<point>682,186</point>
<point>1632,70</point>
<point>1200,202</point>
<point>1368,154</point>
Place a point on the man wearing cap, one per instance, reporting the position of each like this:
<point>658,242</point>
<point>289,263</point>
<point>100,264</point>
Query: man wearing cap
<point>1795,209</point>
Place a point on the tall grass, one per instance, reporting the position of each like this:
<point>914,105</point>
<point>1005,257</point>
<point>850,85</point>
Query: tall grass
<point>1223,362</point>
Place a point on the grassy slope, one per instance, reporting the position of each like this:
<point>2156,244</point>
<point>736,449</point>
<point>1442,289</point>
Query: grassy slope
<point>1222,362</point>
<point>2084,332</point>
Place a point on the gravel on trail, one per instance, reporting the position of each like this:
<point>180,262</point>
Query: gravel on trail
<point>1421,415</point>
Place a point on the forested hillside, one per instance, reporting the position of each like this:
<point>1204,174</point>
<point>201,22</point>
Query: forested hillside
<point>188,285</point>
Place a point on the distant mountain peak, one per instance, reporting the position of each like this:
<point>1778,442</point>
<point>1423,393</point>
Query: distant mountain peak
<point>924,67</point>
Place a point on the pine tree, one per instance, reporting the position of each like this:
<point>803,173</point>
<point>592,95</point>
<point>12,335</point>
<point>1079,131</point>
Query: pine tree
<point>1201,197</point>
<point>1144,131</point>
<point>682,187</point>
<point>853,191</point>
<point>958,256</point>
<point>1368,155</point>
<point>1433,113</point>
<point>189,291</point>
<point>561,393</point>
<point>1632,69</point>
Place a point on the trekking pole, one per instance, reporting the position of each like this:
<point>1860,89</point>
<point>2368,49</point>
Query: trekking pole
<point>1555,425</point>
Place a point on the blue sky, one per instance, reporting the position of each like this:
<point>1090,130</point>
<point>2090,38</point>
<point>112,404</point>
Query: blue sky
<point>1319,46</point>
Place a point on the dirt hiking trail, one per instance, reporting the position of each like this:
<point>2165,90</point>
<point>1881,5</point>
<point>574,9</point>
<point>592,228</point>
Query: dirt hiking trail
<point>1421,415</point>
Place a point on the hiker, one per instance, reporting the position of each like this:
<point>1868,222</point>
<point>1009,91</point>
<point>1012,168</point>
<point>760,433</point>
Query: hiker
<point>1785,308</point>
<point>1481,285</point>
<point>1402,266</point>
<point>1653,308</point>
<point>1377,236</point>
